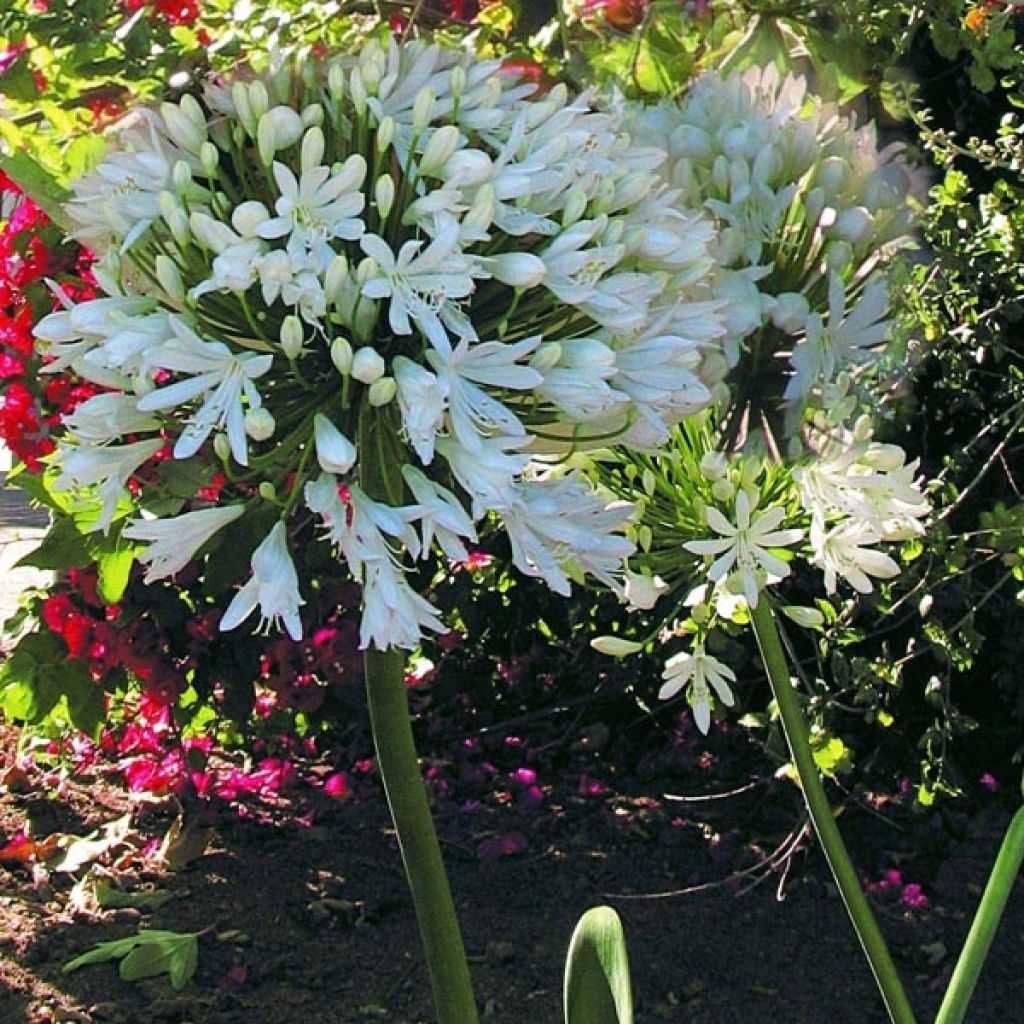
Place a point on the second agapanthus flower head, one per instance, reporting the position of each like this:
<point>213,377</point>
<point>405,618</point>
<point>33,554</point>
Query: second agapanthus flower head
<point>370,292</point>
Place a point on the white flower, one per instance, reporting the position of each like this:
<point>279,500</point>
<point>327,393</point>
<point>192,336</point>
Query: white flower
<point>642,591</point>
<point>420,285</point>
<point>561,526</point>
<point>316,208</point>
<point>846,550</point>
<point>742,548</point>
<point>273,588</point>
<point>440,515</point>
<point>108,416</point>
<point>334,451</point>
<point>422,399</point>
<point>394,615</point>
<point>468,370</point>
<point>845,340</point>
<point>71,333</point>
<point>704,673</point>
<point>214,367</point>
<point>108,467</point>
<point>173,543</point>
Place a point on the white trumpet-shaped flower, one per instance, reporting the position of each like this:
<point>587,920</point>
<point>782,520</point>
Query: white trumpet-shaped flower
<point>704,674</point>
<point>219,376</point>
<point>173,543</point>
<point>273,588</point>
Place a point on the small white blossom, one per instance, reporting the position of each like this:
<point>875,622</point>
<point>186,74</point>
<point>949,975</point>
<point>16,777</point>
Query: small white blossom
<point>273,588</point>
<point>742,548</point>
<point>703,673</point>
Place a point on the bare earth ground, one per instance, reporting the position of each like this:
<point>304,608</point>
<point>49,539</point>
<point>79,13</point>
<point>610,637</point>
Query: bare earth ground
<point>309,925</point>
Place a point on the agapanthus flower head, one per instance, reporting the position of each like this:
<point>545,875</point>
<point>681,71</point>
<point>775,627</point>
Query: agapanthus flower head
<point>370,290</point>
<point>808,210</point>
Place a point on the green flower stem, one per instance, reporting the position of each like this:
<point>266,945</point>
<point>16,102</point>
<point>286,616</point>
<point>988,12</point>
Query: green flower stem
<point>380,476</point>
<point>986,921</point>
<point>797,736</point>
<point>421,853</point>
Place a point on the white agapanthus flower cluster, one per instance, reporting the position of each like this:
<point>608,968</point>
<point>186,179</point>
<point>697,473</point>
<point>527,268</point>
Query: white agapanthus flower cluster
<point>748,521</point>
<point>370,291</point>
<point>807,207</point>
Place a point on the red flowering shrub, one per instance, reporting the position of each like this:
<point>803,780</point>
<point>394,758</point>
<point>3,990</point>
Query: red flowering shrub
<point>31,253</point>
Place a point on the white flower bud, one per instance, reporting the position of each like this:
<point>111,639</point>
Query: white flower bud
<point>366,269</point>
<point>336,82</point>
<point>575,206</point>
<point>259,100</point>
<point>546,357</point>
<point>723,489</point>
<point>382,391</point>
<point>439,148</point>
<point>181,177</point>
<point>287,126</point>
<point>457,80</point>
<point>832,174</point>
<point>790,312</point>
<point>341,355</point>
<point>467,168</point>
<point>182,129</point>
<point>714,465</point>
<point>222,447</point>
<point>358,92</point>
<point>517,269</point>
<point>423,109</point>
<point>312,116</point>
<point>854,225</point>
<point>312,148</point>
<point>690,142</point>
<point>266,141</point>
<point>267,491</point>
<point>259,424</point>
<point>368,365</point>
<point>291,337</point>
<point>334,279</point>
<point>177,222</point>
<point>169,277</point>
<point>481,213</point>
<point>209,157</point>
<point>248,216</point>
<point>240,99</point>
<point>192,110</point>
<point>212,234</point>
<point>384,193</point>
<point>334,451</point>
<point>615,646</point>
<point>385,133</point>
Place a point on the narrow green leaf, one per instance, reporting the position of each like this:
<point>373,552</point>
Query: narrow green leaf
<point>597,985</point>
<point>37,182</point>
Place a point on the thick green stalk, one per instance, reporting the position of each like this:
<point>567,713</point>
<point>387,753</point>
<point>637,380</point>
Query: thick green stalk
<point>986,921</point>
<point>379,474</point>
<point>797,736</point>
<point>421,853</point>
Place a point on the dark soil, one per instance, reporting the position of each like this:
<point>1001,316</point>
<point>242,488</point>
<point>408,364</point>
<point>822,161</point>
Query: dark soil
<point>311,923</point>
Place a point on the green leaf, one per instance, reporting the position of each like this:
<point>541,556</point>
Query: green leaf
<point>33,179</point>
<point>597,987</point>
<point>114,570</point>
<point>109,897</point>
<point>63,547</point>
<point>146,955</point>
